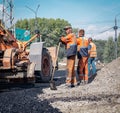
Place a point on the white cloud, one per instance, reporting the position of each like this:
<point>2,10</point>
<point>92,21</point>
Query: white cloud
<point>101,32</point>
<point>91,28</point>
<point>98,31</point>
<point>105,35</point>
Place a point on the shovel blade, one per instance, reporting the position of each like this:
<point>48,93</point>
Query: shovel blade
<point>52,85</point>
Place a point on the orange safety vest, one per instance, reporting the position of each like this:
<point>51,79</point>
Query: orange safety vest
<point>92,51</point>
<point>82,43</point>
<point>71,44</point>
<point>70,39</point>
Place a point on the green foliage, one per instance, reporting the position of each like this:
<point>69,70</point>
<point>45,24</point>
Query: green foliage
<point>109,51</point>
<point>50,29</point>
<point>118,46</point>
<point>24,24</point>
<point>106,49</point>
<point>100,45</point>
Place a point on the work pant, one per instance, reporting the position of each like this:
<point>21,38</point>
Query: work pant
<point>91,62</point>
<point>71,76</point>
<point>83,68</point>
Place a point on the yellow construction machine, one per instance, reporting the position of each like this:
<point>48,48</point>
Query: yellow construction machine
<point>17,65</point>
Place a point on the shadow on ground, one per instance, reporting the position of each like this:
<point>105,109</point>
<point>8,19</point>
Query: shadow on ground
<point>25,99</point>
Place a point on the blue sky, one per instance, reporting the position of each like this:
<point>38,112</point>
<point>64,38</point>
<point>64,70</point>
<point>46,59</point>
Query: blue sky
<point>92,15</point>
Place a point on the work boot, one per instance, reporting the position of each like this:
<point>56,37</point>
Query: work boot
<point>72,85</point>
<point>86,82</point>
<point>69,85</point>
<point>77,84</point>
<point>83,82</point>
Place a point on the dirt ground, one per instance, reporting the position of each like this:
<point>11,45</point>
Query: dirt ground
<point>101,95</point>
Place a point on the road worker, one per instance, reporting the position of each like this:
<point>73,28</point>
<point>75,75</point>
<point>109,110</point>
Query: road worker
<point>82,47</point>
<point>71,49</point>
<point>91,60</point>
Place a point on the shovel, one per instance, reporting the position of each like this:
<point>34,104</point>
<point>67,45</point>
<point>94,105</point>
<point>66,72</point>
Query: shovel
<point>52,82</point>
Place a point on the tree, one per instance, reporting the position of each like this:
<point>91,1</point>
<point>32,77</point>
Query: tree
<point>24,24</point>
<point>50,29</point>
<point>109,54</point>
<point>118,46</point>
<point>100,45</point>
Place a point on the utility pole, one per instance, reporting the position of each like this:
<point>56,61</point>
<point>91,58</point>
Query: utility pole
<point>35,12</point>
<point>3,11</point>
<point>115,28</point>
<point>7,12</point>
<point>11,12</point>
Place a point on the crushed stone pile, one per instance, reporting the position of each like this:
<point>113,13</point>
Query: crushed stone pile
<point>101,95</point>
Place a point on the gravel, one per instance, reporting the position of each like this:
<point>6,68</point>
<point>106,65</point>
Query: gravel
<point>101,95</point>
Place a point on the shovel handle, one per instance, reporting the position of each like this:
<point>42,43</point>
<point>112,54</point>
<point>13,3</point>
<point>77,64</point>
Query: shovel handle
<point>55,61</point>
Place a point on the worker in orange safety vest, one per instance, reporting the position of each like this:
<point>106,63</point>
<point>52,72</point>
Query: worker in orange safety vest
<point>91,60</point>
<point>71,49</point>
<point>82,43</point>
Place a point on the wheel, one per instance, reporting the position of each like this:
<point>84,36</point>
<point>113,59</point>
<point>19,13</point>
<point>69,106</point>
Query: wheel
<point>46,66</point>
